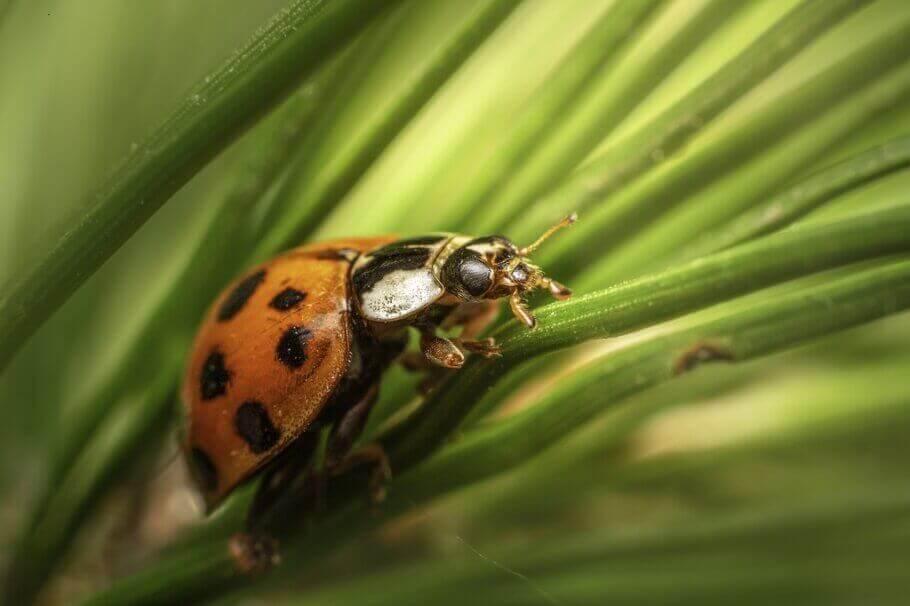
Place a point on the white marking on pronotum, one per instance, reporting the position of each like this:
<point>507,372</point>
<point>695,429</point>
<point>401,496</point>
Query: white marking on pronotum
<point>399,294</point>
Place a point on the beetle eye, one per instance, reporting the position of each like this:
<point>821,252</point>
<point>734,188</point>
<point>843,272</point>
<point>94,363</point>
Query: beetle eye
<point>476,276</point>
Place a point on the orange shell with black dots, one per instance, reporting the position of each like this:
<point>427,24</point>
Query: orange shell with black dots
<point>268,356</point>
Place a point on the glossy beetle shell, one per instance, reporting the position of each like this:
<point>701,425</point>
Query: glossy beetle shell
<point>268,357</point>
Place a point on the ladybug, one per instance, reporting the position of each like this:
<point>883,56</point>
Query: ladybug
<point>300,343</point>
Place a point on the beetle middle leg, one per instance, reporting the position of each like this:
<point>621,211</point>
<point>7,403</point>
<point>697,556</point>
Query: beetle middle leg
<point>339,457</point>
<point>474,317</point>
<point>291,469</point>
<point>298,475</point>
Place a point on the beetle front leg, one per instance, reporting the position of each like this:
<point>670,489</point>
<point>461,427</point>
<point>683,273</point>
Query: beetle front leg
<point>439,350</point>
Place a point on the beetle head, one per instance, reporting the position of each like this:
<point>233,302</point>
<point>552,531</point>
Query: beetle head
<point>492,267</point>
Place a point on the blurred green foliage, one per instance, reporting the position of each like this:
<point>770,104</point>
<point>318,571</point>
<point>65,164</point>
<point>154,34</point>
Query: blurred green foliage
<point>583,467</point>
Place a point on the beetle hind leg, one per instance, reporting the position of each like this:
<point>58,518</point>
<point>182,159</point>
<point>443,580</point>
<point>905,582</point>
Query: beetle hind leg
<point>369,454</point>
<point>284,476</point>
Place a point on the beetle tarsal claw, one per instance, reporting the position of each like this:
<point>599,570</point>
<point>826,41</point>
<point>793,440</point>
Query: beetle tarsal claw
<point>485,347</point>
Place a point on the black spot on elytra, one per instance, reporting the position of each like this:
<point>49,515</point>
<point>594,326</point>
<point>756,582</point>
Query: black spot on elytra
<point>203,470</point>
<point>254,426</point>
<point>292,346</point>
<point>287,299</point>
<point>387,259</point>
<point>215,376</point>
<point>238,297</point>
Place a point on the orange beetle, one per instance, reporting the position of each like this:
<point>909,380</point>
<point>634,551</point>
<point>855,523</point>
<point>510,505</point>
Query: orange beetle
<point>300,343</point>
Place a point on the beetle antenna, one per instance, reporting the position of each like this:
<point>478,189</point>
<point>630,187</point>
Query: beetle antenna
<point>566,221</point>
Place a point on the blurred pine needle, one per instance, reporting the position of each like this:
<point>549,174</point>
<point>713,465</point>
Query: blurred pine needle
<point>716,416</point>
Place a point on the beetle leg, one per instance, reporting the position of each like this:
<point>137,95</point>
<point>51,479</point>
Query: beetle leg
<point>439,350</point>
<point>370,454</point>
<point>474,317</point>
<point>415,361</point>
<point>485,347</point>
<point>522,313</point>
<point>349,428</point>
<point>284,474</point>
<point>339,458</point>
